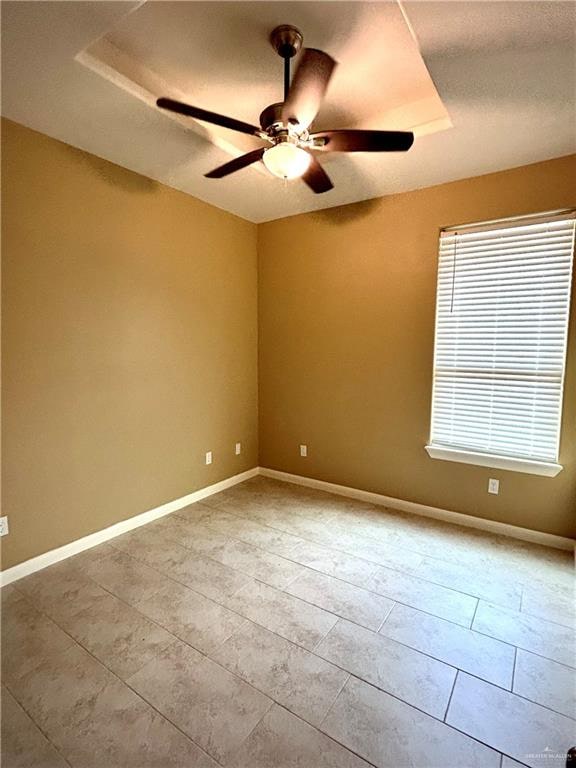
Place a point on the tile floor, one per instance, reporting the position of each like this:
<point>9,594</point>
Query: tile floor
<point>273,626</point>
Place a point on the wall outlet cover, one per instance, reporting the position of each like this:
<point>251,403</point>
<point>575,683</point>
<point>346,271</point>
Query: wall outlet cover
<point>493,486</point>
<point>238,449</point>
<point>208,457</point>
<point>303,450</point>
<point>3,526</point>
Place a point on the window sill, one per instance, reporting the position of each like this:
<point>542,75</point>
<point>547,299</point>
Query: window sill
<point>547,469</point>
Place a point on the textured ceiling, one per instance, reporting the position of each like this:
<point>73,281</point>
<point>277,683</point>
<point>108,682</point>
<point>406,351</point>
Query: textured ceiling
<point>486,86</point>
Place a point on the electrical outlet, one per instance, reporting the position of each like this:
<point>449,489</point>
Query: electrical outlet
<point>494,486</point>
<point>3,526</point>
<point>238,449</point>
<point>304,450</point>
<point>208,457</point>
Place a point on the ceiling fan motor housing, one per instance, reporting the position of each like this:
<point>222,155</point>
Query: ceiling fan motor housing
<point>279,131</point>
<point>271,115</point>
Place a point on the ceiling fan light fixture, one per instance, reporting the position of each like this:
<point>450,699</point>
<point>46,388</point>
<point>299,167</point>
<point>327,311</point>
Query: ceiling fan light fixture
<point>286,160</point>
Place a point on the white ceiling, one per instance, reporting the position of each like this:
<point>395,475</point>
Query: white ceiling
<point>492,86</point>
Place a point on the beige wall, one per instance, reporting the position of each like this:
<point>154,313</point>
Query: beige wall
<point>129,343</point>
<point>346,303</point>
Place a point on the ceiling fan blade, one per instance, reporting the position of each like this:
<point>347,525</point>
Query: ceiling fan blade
<point>363,141</point>
<point>308,87</point>
<point>316,177</point>
<point>237,164</point>
<point>208,117</point>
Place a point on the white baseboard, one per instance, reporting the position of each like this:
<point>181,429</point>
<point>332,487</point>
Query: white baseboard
<point>514,531</point>
<point>99,537</point>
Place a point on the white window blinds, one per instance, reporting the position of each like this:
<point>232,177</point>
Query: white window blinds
<point>501,331</point>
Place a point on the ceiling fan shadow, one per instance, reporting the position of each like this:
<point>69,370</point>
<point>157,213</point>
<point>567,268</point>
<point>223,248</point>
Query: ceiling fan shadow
<point>344,214</point>
<point>346,172</point>
<point>115,175</point>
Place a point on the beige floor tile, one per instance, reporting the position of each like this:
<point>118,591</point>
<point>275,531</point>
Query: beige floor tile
<point>260,493</point>
<point>60,591</point>
<point>284,520</point>
<point>9,595</point>
<point>411,676</point>
<point>384,553</point>
<point>95,720</point>
<point>203,512</point>
<point>558,605</point>
<point>225,501</point>
<point>490,659</point>
<point>243,557</point>
<point>284,614</point>
<point>60,691</point>
<point>195,536</point>
<point>151,545</point>
<point>534,563</point>
<point>196,512</point>
<point>190,616</point>
<point>546,682</point>
<point>381,530</point>
<point>264,566</point>
<point>343,599</point>
<point>208,577</point>
<point>332,562</point>
<point>23,744</point>
<point>282,740</point>
<point>388,732</point>
<point>119,636</point>
<point>123,732</point>
<point>455,576</point>
<point>518,728</point>
<point>278,532</point>
<point>90,556</point>
<point>311,529</point>
<point>250,532</point>
<point>527,632</point>
<point>417,593</point>
<point>28,638</point>
<point>292,676</point>
<point>254,492</point>
<point>446,541</point>
<point>324,513</point>
<point>215,708</point>
<point>124,576</point>
<point>368,520</point>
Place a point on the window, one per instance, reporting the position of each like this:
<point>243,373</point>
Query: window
<point>502,311</point>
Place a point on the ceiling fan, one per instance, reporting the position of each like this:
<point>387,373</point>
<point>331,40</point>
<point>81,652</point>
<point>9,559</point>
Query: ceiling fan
<point>285,126</point>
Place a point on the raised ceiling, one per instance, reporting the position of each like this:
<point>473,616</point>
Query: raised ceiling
<point>222,61</point>
<point>485,86</point>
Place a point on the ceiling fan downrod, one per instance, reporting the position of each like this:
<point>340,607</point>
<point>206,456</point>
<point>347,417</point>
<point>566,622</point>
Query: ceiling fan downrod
<point>286,41</point>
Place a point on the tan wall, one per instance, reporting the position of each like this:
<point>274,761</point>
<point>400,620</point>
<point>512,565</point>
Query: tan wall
<point>129,343</point>
<point>347,302</point>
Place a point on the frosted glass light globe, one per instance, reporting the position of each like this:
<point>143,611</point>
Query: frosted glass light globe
<point>287,161</point>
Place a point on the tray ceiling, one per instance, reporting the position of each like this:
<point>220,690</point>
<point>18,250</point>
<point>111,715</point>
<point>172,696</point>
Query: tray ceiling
<point>485,86</point>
